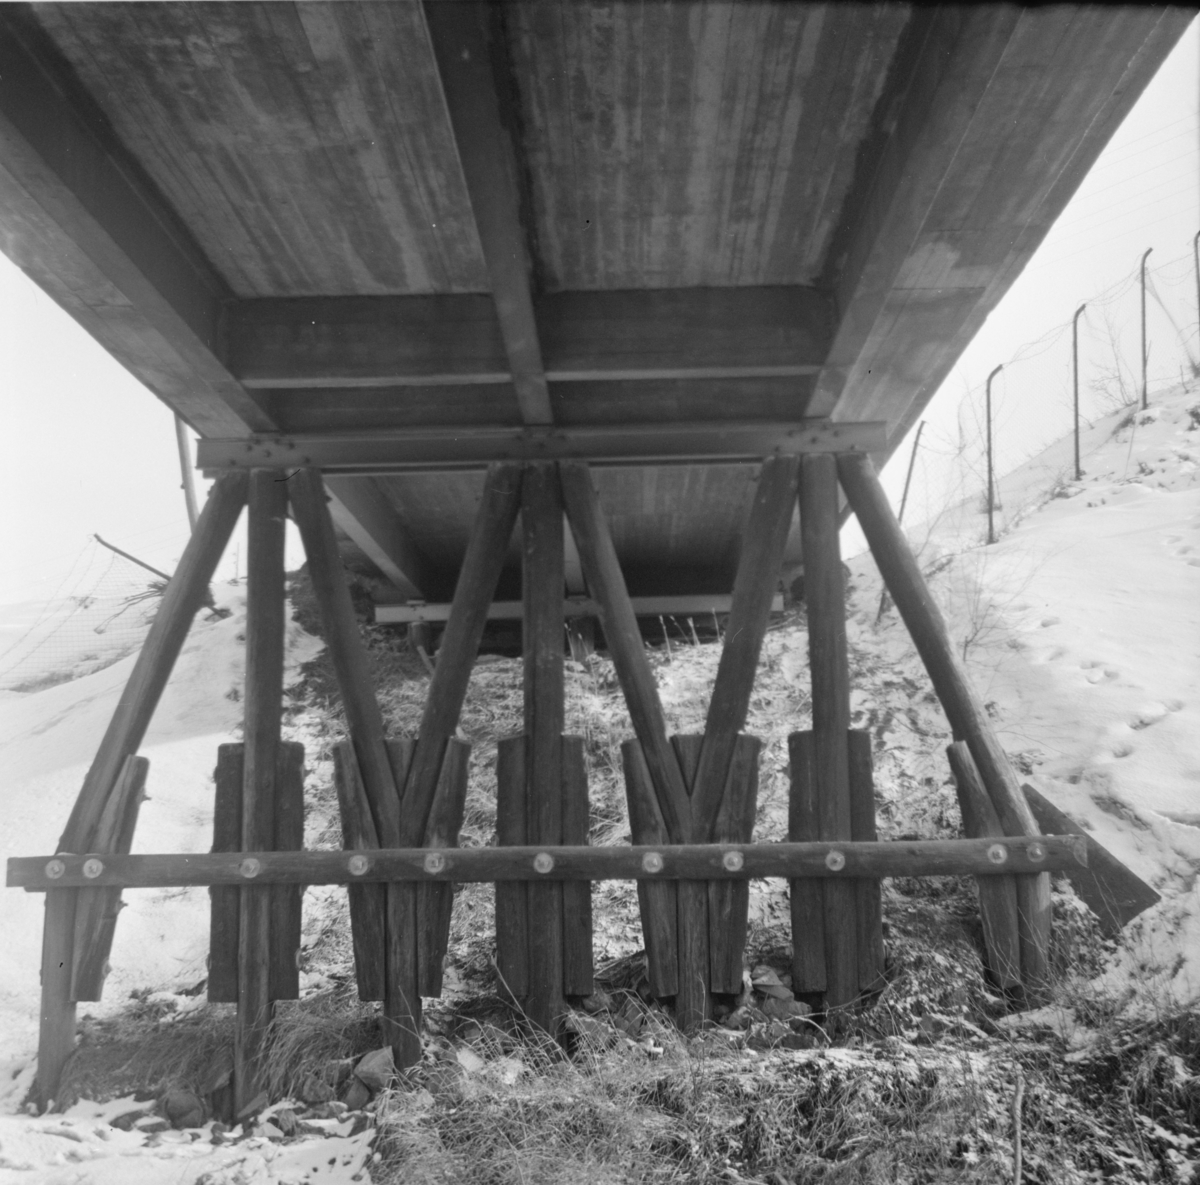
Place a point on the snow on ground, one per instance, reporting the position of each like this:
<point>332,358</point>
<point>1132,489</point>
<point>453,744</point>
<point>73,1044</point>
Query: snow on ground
<point>1083,627</point>
<point>47,741</point>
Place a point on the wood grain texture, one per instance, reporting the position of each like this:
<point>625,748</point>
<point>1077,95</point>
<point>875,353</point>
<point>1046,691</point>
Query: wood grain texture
<point>693,1000</point>
<point>966,168</point>
<point>401,341</point>
<point>263,700</point>
<point>56,1027</point>
<point>961,703</point>
<point>368,929</point>
<point>486,550</point>
<point>80,215</point>
<point>704,146</point>
<point>603,574</point>
<point>471,60</point>
<point>825,602</point>
<point>1020,856</point>
<point>436,901</point>
<point>286,916</point>
<point>224,899</point>
<point>753,594</point>
<point>998,909</point>
<point>729,901</point>
<point>231,110</point>
<point>1106,886</point>
<point>658,900</point>
<point>807,896</point>
<point>542,639</point>
<point>96,910</point>
<point>512,898</point>
<point>577,895</point>
<point>868,892</point>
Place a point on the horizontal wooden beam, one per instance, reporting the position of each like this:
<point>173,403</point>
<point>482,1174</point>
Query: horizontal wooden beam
<point>950,857</point>
<point>472,448</point>
<point>384,341</point>
<point>682,605</point>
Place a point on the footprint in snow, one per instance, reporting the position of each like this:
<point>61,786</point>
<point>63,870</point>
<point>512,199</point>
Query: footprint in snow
<point>1049,621</point>
<point>1148,714</point>
<point>1094,671</point>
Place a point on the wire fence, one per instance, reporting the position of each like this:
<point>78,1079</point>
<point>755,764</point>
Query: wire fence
<point>99,614</point>
<point>1033,395</point>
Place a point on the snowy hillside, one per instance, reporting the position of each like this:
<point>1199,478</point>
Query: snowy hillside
<point>47,741</point>
<point>1083,625</point>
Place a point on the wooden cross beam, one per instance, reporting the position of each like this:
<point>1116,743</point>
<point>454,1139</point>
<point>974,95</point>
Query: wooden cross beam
<point>1019,855</point>
<point>474,447</point>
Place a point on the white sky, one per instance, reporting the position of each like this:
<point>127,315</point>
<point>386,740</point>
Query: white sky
<point>87,449</point>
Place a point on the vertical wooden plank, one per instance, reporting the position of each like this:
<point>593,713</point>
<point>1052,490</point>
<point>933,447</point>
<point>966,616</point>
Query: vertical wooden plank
<point>401,1020</point>
<point>658,900</point>
<point>56,1035</point>
<point>577,895</point>
<point>624,640</point>
<point>477,578</point>
<point>542,647</point>
<point>183,597</point>
<point>753,590</point>
<point>286,899</point>
<point>870,897</point>
<point>435,900</point>
<point>825,601</point>
<point>96,909</point>
<point>998,909</point>
<point>693,1003</point>
<point>368,930</point>
<point>224,899</point>
<point>964,710</point>
<point>512,899</point>
<point>808,898</point>
<point>263,711</point>
<point>729,901</point>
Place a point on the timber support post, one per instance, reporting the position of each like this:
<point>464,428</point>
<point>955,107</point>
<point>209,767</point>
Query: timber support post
<point>966,714</point>
<point>825,597</point>
<point>184,595</point>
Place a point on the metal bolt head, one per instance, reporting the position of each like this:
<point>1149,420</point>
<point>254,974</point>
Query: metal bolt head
<point>543,862</point>
<point>250,867</point>
<point>93,868</point>
<point>55,869</point>
<point>835,861</point>
<point>1036,852</point>
<point>652,862</point>
<point>733,861</point>
<point>434,862</point>
<point>997,853</point>
<point>359,865</point>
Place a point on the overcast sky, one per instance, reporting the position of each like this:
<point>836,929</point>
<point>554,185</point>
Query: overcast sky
<point>87,449</point>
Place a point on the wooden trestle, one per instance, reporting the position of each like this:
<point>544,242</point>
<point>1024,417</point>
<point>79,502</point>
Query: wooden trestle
<point>691,799</point>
